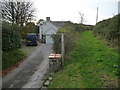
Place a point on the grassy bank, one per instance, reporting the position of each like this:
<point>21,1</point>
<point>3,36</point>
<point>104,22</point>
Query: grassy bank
<point>92,64</point>
<point>11,57</point>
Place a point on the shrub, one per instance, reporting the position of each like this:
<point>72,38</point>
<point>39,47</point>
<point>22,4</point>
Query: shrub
<point>10,37</point>
<point>57,43</point>
<point>29,28</point>
<point>71,34</point>
<point>108,29</point>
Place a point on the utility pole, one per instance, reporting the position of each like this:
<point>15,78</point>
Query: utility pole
<point>62,48</point>
<point>97,15</point>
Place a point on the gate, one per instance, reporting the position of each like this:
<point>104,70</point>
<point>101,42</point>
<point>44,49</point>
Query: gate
<point>49,39</point>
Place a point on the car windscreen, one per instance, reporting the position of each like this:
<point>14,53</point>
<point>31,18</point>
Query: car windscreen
<point>31,37</point>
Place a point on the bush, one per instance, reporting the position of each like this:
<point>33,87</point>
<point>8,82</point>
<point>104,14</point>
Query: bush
<point>10,37</point>
<point>71,35</point>
<point>108,29</point>
<point>57,43</point>
<point>29,28</point>
<point>69,41</point>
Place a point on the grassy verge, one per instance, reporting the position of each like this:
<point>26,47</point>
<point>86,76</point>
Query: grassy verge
<point>29,49</point>
<point>11,57</point>
<point>92,64</point>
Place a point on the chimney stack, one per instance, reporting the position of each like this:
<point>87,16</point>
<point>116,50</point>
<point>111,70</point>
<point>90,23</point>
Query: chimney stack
<point>47,18</point>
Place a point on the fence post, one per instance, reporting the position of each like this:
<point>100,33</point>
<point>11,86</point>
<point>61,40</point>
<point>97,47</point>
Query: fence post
<point>62,48</point>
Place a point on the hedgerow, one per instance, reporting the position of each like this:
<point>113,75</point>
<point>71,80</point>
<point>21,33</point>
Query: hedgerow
<point>11,38</point>
<point>108,29</point>
<point>71,34</point>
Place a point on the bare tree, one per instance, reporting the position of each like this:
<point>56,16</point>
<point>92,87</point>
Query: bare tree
<point>82,18</point>
<point>17,12</point>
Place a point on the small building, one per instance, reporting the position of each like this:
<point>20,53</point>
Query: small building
<point>49,28</point>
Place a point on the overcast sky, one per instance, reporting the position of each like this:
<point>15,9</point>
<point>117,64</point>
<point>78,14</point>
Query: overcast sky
<point>65,10</point>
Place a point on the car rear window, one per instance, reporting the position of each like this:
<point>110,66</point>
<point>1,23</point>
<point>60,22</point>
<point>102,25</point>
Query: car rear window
<point>33,37</point>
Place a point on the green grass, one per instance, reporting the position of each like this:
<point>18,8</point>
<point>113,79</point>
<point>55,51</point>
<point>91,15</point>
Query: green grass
<point>92,64</point>
<point>11,57</point>
<point>28,50</point>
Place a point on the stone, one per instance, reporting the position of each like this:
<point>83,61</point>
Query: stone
<point>47,83</point>
<point>50,78</point>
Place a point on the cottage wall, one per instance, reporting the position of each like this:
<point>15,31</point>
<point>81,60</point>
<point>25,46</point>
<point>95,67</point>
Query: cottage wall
<point>49,28</point>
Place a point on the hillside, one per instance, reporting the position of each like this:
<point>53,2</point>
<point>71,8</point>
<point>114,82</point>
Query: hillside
<point>91,64</point>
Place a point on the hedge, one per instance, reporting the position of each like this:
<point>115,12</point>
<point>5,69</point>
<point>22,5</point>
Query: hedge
<point>10,37</point>
<point>108,29</point>
<point>71,34</point>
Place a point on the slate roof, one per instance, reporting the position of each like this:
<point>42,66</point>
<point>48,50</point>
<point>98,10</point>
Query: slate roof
<point>57,24</point>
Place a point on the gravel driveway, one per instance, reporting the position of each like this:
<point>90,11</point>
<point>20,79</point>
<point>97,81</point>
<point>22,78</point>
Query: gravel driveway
<point>31,72</point>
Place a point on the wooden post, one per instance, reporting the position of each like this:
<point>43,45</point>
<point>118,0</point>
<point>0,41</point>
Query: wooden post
<point>62,48</point>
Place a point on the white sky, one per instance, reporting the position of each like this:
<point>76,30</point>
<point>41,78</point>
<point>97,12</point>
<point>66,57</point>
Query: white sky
<point>65,10</point>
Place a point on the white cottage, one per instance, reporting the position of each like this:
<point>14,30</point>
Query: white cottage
<point>49,28</point>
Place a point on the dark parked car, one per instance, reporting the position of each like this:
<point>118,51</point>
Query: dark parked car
<point>31,39</point>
